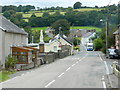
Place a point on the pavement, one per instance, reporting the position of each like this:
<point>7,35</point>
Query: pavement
<point>87,69</point>
<point>111,80</point>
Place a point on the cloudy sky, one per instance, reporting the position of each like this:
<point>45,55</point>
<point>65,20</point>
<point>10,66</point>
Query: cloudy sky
<point>64,3</point>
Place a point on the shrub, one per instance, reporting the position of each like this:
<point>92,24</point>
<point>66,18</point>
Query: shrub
<point>97,44</point>
<point>76,48</point>
<point>10,62</point>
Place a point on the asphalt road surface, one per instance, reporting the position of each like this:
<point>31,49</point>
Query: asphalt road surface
<point>84,70</point>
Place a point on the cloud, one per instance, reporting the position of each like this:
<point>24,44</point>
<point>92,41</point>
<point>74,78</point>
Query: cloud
<point>64,3</point>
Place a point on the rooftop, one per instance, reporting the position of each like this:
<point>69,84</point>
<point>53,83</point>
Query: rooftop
<point>8,26</point>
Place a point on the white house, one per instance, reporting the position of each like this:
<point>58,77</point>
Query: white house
<point>86,38</point>
<point>55,44</point>
<point>10,35</point>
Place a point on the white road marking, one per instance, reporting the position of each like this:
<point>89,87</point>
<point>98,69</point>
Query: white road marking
<point>22,74</point>
<point>107,70</point>
<point>61,74</point>
<point>68,69</point>
<point>49,83</point>
<point>106,66</point>
<point>76,62</point>
<point>103,82</point>
<point>73,65</point>
<point>100,58</point>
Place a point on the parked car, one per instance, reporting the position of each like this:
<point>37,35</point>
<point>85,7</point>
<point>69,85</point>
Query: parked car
<point>112,53</point>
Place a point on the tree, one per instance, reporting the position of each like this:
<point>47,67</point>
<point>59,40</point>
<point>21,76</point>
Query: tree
<point>77,5</point>
<point>33,15</point>
<point>45,14</point>
<point>119,13</point>
<point>64,24</point>
<point>7,14</point>
<point>29,31</point>
<point>98,44</point>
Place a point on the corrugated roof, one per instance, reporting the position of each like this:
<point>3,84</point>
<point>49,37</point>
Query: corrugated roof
<point>8,26</point>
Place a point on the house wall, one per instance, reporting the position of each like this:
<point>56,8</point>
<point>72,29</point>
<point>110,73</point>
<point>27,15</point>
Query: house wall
<point>50,47</point>
<point>13,39</point>
<point>85,40</point>
<point>2,48</point>
<point>117,41</point>
<point>8,40</point>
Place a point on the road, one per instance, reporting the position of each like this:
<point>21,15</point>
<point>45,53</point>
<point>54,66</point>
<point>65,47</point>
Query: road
<point>84,70</point>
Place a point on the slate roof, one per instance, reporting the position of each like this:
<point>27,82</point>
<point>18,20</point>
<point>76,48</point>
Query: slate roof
<point>8,26</point>
<point>117,32</point>
<point>63,37</point>
<point>87,34</point>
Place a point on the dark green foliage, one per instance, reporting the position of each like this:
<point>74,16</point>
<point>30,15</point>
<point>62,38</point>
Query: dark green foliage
<point>97,44</point>
<point>10,62</point>
<point>77,5</point>
<point>64,24</point>
<point>76,41</point>
<point>33,15</point>
<point>29,31</point>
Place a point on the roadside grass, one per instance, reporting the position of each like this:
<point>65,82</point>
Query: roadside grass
<point>4,75</point>
<point>86,28</point>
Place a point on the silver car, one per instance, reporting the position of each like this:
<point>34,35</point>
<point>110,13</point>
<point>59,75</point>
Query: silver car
<point>112,53</point>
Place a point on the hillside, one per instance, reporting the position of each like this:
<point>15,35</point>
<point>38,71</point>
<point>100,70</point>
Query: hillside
<point>40,13</point>
<point>75,27</point>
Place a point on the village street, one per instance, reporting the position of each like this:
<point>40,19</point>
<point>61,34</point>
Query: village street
<point>84,70</point>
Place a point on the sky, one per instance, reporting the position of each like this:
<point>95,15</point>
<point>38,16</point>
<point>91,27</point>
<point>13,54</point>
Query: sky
<point>63,3</point>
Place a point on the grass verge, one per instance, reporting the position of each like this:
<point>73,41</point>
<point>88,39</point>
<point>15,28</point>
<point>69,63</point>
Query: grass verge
<point>4,75</point>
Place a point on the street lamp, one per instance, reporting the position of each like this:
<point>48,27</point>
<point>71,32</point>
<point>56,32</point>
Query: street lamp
<point>107,28</point>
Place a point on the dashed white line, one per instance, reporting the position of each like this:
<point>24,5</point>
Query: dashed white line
<point>77,62</point>
<point>103,81</point>
<point>61,74</point>
<point>73,65</point>
<point>107,70</point>
<point>100,57</point>
<point>68,69</point>
<point>49,83</point>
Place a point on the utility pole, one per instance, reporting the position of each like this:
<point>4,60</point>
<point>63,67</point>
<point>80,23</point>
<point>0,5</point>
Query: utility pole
<point>107,28</point>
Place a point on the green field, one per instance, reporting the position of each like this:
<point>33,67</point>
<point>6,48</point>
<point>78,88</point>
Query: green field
<point>75,27</point>
<point>88,9</point>
<point>39,28</point>
<point>38,14</point>
<point>86,28</point>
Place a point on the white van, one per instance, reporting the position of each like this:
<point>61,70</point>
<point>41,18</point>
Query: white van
<point>89,46</point>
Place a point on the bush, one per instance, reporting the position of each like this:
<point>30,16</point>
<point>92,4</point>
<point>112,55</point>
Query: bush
<point>76,41</point>
<point>97,44</point>
<point>76,48</point>
<point>10,62</point>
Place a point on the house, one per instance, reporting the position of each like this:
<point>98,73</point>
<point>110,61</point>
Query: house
<point>117,38</point>
<point>50,32</point>
<point>10,35</point>
<point>57,42</point>
<point>86,38</point>
<point>53,46</point>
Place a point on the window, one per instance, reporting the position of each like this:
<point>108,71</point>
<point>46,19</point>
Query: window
<point>22,59</point>
<point>55,48</point>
